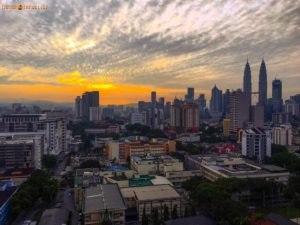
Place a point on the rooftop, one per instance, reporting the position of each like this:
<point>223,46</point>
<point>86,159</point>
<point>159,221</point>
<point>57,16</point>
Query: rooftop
<point>193,220</point>
<point>147,193</point>
<point>106,196</point>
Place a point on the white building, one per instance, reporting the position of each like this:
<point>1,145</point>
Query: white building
<point>139,118</point>
<point>256,142</point>
<point>282,135</point>
<point>56,136</point>
<point>95,114</point>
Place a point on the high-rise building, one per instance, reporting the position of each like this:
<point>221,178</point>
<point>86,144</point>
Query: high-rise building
<point>292,107</point>
<point>78,107</point>
<point>262,85</point>
<point>185,116</point>
<point>226,127</point>
<point>89,99</point>
<point>277,101</point>
<point>138,118</point>
<point>256,142</point>
<point>161,102</point>
<point>225,102</point>
<point>202,101</point>
<point>281,118</point>
<point>190,95</point>
<point>21,122</point>
<point>247,79</point>
<point>282,135</point>
<point>153,99</point>
<point>257,116</point>
<point>95,114</point>
<point>216,101</point>
<point>239,110</point>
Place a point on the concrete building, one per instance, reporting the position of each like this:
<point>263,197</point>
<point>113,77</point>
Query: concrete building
<point>216,102</point>
<point>177,178</point>
<point>95,114</point>
<point>256,142</point>
<point>226,127</point>
<point>282,135</point>
<point>38,140</point>
<point>78,107</point>
<point>89,99</point>
<point>103,201</point>
<point>16,154</point>
<point>155,165</point>
<point>263,85</point>
<point>277,101</point>
<point>257,116</point>
<point>292,107</point>
<point>214,167</point>
<point>139,118</point>
<point>121,150</point>
<point>185,116</point>
<point>21,122</point>
<point>239,110</point>
<point>281,118</point>
<point>152,197</point>
<point>56,136</point>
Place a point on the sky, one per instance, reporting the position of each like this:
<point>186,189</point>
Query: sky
<point>127,48</point>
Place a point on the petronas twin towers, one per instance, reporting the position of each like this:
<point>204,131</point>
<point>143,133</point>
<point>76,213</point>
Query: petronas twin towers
<point>262,84</point>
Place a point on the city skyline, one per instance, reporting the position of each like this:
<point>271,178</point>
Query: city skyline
<point>127,50</point>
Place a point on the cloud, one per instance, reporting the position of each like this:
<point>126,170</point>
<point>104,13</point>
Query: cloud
<point>167,44</point>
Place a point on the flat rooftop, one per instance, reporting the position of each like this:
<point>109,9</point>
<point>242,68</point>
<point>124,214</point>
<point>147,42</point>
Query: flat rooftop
<point>148,193</point>
<point>106,196</point>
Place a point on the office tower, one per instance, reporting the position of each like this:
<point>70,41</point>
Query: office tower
<point>247,80</point>
<point>108,113</point>
<point>190,95</point>
<point>257,116</point>
<point>296,98</point>
<point>239,110</point>
<point>292,107</point>
<point>225,102</point>
<point>185,116</point>
<point>256,142</point>
<point>153,99</point>
<point>282,135</point>
<point>277,101</point>
<point>89,99</point>
<point>262,85</point>
<point>161,102</point>
<point>95,114</point>
<point>168,110</point>
<point>78,107</point>
<point>202,101</point>
<point>216,101</point>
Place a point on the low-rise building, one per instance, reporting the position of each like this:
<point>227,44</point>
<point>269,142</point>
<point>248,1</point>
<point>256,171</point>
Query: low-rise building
<point>155,165</point>
<point>104,201</point>
<point>179,177</point>
<point>152,197</point>
<point>215,167</point>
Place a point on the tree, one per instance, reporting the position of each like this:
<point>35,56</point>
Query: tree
<point>145,219</point>
<point>49,161</point>
<point>155,217</point>
<point>166,212</point>
<point>106,220</point>
<point>174,212</point>
<point>90,164</point>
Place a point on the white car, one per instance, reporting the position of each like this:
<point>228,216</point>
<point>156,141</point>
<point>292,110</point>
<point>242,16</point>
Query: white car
<point>27,222</point>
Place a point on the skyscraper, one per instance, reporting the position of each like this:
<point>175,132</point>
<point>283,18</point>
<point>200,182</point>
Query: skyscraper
<point>78,107</point>
<point>216,100</point>
<point>277,96</point>
<point>262,85</point>
<point>89,99</point>
<point>190,94</point>
<point>239,110</point>
<point>153,99</point>
<point>247,80</point>
<point>225,102</point>
<point>202,101</point>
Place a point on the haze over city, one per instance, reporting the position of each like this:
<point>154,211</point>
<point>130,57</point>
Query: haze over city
<point>125,49</point>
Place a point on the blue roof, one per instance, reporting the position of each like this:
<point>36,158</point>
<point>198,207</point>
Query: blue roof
<point>116,168</point>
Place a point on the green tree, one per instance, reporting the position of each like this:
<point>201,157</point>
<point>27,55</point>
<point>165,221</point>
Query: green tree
<point>90,164</point>
<point>106,219</point>
<point>155,217</point>
<point>49,161</point>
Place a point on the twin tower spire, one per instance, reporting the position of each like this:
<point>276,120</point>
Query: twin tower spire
<point>262,84</point>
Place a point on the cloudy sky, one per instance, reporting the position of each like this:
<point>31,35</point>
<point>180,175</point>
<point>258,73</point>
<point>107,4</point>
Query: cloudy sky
<point>126,48</point>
